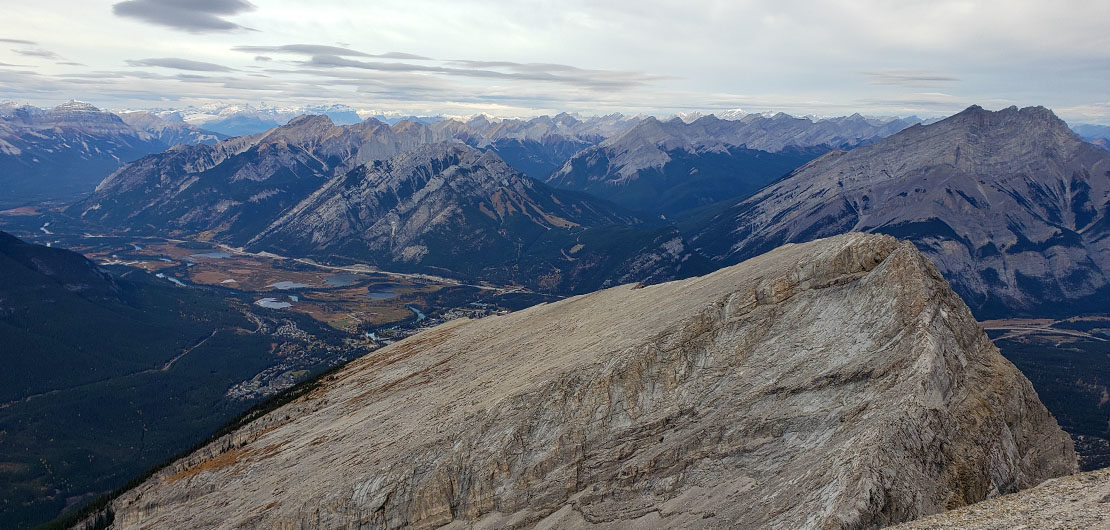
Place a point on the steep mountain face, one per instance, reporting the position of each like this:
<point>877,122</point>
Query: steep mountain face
<point>671,166</point>
<point>1011,205</point>
<point>62,153</point>
<point>106,376</point>
<point>451,208</point>
<point>836,384</point>
<point>169,131</point>
<point>236,188</point>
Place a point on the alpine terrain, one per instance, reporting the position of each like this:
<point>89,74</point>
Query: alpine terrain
<point>835,384</point>
<point>667,167</point>
<point>60,154</point>
<point>1012,206</point>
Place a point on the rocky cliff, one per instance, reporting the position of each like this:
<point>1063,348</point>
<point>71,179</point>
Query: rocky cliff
<point>1012,206</point>
<point>835,384</point>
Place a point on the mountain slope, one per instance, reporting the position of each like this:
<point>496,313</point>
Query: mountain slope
<point>837,384</point>
<point>62,153</point>
<point>1011,205</point>
<point>540,145</point>
<point>452,209</point>
<point>239,186</point>
<point>671,166</point>
<point>106,376</point>
<point>169,131</point>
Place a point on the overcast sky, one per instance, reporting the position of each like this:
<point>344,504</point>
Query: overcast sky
<point>520,58</point>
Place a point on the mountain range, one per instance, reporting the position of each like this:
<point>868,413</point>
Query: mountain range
<point>61,154</point>
<point>667,167</point>
<point>453,209</point>
<point>1011,205</point>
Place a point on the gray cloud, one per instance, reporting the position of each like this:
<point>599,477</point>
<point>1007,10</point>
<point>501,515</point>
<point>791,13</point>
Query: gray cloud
<point>180,64</point>
<point>586,78</point>
<point>38,52</point>
<point>909,78</point>
<point>263,58</point>
<point>520,67</point>
<point>70,63</point>
<point>194,16</point>
<point>321,49</point>
<point>19,41</point>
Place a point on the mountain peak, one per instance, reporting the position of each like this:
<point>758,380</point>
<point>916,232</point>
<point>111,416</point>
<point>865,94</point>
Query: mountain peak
<point>314,120</point>
<point>1011,119</point>
<point>75,106</point>
<point>1011,203</point>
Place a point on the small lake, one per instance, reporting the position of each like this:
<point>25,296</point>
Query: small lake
<point>272,303</point>
<point>287,285</point>
<point>341,280</point>
<point>384,291</point>
<point>212,255</point>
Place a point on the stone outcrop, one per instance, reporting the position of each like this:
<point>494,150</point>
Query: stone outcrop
<point>1074,502</point>
<point>835,384</point>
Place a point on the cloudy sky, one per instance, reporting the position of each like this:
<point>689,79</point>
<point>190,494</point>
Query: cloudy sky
<point>519,57</point>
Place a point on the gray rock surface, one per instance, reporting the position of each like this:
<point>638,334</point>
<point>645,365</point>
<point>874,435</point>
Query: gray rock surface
<point>1012,206</point>
<point>1074,502</point>
<point>835,384</point>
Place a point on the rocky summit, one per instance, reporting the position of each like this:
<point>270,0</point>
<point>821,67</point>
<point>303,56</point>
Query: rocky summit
<point>835,384</point>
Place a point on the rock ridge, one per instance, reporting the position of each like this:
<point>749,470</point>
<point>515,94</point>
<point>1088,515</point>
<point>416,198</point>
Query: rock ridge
<point>833,384</point>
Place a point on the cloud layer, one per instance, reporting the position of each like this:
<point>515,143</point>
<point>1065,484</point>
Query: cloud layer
<point>179,64</point>
<point>522,57</point>
<point>194,16</point>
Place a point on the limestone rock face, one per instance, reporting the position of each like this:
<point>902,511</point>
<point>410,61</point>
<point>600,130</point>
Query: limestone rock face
<point>834,384</point>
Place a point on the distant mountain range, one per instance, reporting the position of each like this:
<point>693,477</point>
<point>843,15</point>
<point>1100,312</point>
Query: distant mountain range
<point>452,209</point>
<point>410,196</point>
<point>1012,206</point>
<point>1096,134</point>
<point>60,154</point>
<point>666,167</point>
